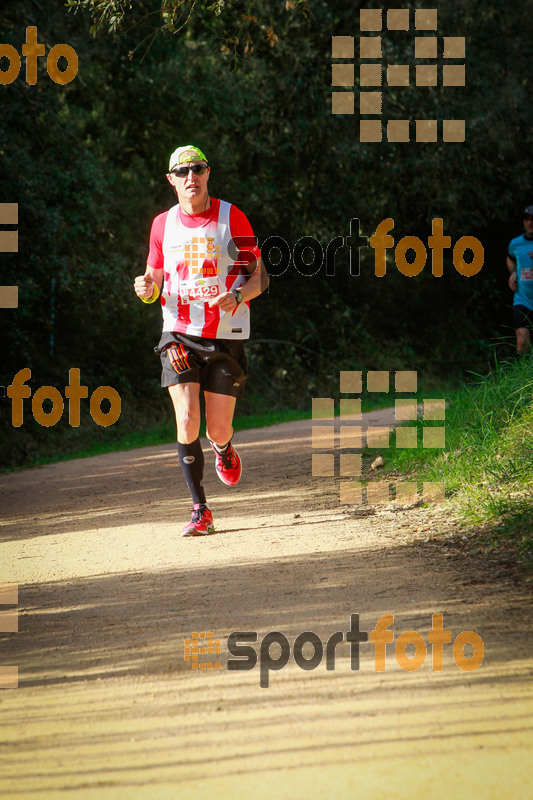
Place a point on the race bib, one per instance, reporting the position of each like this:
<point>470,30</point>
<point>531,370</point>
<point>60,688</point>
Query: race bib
<point>526,274</point>
<point>199,290</point>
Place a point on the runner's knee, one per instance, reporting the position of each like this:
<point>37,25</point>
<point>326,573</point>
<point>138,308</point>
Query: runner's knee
<point>188,425</point>
<point>522,339</point>
<point>219,431</point>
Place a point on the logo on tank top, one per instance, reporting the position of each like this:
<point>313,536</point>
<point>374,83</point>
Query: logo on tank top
<point>200,249</point>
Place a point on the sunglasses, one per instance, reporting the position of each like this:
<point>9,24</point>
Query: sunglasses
<point>182,172</point>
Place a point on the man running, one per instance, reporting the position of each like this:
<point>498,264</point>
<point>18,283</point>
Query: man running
<point>205,267</point>
<point>520,265</point>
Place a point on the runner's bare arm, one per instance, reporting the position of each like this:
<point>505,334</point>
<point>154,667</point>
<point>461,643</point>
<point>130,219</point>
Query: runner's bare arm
<point>256,283</point>
<point>258,280</point>
<point>511,266</point>
<point>144,284</point>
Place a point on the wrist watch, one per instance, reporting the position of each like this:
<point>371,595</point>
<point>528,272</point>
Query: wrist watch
<point>238,296</point>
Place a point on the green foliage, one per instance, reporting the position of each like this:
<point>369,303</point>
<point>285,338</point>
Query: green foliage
<point>488,462</point>
<point>239,22</point>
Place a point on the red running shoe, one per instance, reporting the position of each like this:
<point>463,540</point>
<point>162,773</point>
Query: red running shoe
<point>201,522</point>
<point>228,465</point>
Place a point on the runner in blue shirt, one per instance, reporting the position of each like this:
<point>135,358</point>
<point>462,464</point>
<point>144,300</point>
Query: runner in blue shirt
<point>520,265</point>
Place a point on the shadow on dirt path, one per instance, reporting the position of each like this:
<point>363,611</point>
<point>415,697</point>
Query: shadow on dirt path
<point>107,707</point>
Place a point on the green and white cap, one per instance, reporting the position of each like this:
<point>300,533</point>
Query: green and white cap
<point>184,154</point>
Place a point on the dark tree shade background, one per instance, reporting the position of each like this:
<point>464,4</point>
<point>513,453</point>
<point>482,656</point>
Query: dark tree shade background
<point>250,84</point>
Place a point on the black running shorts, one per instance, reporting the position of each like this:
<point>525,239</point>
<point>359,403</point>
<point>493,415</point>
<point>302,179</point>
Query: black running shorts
<point>522,317</point>
<point>218,365</point>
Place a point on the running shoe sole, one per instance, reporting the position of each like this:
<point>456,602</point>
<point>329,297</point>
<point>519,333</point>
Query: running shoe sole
<point>190,531</point>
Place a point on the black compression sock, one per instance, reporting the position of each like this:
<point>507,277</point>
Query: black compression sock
<point>192,463</point>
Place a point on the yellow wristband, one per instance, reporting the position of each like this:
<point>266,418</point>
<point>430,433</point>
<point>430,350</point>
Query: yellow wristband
<point>153,298</point>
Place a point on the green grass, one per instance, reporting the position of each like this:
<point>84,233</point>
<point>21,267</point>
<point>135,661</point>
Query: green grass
<point>487,465</point>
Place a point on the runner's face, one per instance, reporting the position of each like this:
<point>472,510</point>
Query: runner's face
<point>190,187</point>
<point>528,224</point>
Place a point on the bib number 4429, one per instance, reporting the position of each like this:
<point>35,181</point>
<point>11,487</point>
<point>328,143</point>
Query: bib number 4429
<point>200,290</point>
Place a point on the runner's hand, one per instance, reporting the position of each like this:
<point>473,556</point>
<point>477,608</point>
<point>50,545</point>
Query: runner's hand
<point>226,301</point>
<point>512,282</point>
<point>144,286</point>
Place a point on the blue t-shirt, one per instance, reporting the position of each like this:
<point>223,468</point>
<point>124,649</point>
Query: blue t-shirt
<point>521,251</point>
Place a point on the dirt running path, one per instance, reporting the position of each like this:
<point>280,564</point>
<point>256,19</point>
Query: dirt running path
<point>107,708</point>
